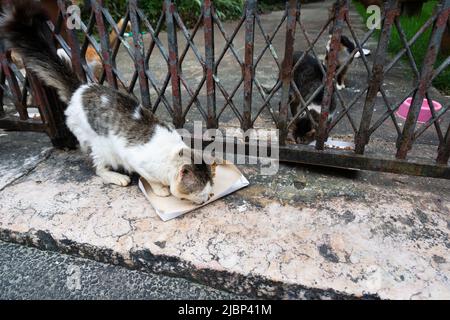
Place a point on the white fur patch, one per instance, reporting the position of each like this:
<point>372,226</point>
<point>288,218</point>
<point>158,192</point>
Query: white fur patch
<point>76,118</point>
<point>105,100</point>
<point>62,54</point>
<point>340,86</point>
<point>314,107</point>
<point>328,44</point>
<point>137,113</point>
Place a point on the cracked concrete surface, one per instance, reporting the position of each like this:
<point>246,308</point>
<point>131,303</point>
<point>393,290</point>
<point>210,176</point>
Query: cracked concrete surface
<point>304,233</point>
<point>16,162</point>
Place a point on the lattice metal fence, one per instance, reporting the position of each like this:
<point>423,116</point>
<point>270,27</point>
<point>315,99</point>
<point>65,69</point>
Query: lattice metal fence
<point>366,116</point>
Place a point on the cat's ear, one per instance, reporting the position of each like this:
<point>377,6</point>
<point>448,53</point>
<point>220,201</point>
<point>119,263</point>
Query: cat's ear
<point>187,177</point>
<point>183,152</point>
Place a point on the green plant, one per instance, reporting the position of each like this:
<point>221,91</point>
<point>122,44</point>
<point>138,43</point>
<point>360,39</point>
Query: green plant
<point>410,26</point>
<point>189,10</point>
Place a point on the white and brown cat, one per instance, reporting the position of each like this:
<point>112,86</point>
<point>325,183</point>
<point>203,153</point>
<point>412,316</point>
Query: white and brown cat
<point>108,123</point>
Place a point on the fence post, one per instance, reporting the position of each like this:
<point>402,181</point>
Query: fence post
<point>174,68</point>
<point>405,141</point>
<point>377,76</point>
<point>13,84</point>
<point>286,67</point>
<point>340,11</point>
<point>97,6</point>
<point>48,100</point>
<point>2,83</point>
<point>444,149</point>
<point>208,24</point>
<point>139,54</point>
<point>73,43</point>
<point>250,11</point>
<point>53,110</point>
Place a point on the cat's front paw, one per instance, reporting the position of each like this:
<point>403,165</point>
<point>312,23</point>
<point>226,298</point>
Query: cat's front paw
<point>160,190</point>
<point>115,178</point>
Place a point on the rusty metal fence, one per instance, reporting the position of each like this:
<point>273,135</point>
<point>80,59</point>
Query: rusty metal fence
<point>246,99</point>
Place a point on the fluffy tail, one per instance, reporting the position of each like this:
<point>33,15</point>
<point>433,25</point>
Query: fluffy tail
<point>25,29</point>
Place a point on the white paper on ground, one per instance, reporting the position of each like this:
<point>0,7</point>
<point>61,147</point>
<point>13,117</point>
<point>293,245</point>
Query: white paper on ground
<point>337,144</point>
<point>228,179</point>
<point>366,53</point>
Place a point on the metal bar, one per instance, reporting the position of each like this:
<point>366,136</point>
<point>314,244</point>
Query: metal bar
<point>409,53</point>
<point>190,45</point>
<point>229,45</point>
<point>160,92</point>
<point>229,97</point>
<point>189,39</point>
<point>405,141</point>
<point>286,73</point>
<point>419,33</point>
<point>25,86</point>
<point>169,7</point>
<point>437,116</point>
<point>304,154</point>
<point>444,149</point>
<point>22,125</point>
<point>376,79</point>
<point>85,43</point>
<point>350,160</point>
<point>303,103</point>
<point>139,61</point>
<point>104,42</point>
<point>2,83</point>
<point>433,117</point>
<point>52,108</point>
<point>336,92</point>
<point>13,84</point>
<point>194,97</point>
<point>229,101</point>
<point>347,110</point>
<point>340,11</point>
<point>248,71</point>
<point>208,25</point>
<point>154,33</point>
<point>73,43</point>
<point>229,40</point>
<point>115,45</point>
<point>268,37</point>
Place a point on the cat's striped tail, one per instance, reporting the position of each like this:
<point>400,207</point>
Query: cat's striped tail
<point>25,29</point>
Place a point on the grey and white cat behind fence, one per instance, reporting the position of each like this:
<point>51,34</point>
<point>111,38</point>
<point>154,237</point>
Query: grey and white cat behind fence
<point>308,77</point>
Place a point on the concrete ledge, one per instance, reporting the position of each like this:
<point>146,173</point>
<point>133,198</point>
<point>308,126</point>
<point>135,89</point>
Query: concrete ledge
<point>304,233</point>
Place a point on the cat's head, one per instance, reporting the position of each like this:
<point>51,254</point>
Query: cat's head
<point>193,181</point>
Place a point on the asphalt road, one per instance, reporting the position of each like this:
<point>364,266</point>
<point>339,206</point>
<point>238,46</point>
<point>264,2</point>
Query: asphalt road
<point>28,273</point>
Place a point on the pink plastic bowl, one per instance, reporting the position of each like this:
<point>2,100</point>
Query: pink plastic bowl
<point>425,112</point>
